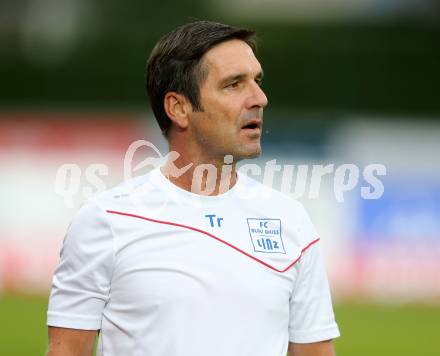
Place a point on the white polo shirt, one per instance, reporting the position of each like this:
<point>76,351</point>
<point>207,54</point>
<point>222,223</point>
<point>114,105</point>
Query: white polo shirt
<point>165,272</point>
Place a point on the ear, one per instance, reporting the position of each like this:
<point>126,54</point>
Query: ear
<point>177,108</point>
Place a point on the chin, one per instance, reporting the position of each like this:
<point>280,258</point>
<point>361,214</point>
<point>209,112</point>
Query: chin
<point>249,153</point>
<point>255,154</point>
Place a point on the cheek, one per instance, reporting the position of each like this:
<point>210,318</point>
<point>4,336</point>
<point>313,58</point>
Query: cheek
<point>226,113</point>
<point>222,114</point>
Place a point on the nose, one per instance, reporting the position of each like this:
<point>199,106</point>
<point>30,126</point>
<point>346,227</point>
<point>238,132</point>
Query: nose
<point>257,97</point>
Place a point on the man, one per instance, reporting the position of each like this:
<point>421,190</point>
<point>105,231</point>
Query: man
<point>194,259</point>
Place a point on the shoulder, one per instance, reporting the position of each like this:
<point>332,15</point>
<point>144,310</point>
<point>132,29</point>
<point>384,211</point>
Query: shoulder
<point>122,190</point>
<point>272,203</point>
<point>92,223</point>
<point>130,194</point>
<point>256,191</point>
<point>92,219</point>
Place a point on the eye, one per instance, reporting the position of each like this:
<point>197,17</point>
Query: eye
<point>233,85</point>
<point>259,81</point>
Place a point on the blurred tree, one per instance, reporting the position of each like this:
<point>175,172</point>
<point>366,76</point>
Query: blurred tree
<point>93,53</point>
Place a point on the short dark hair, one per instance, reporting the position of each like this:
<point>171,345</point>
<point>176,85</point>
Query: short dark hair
<point>175,63</point>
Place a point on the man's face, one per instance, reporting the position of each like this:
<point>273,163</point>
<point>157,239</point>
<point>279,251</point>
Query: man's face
<point>232,102</point>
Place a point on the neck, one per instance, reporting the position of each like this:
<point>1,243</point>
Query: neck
<point>196,172</point>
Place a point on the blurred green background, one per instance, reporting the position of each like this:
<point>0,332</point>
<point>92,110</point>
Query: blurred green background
<point>93,52</point>
<point>327,63</point>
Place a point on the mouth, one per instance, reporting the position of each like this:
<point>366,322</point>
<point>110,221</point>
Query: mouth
<point>252,126</point>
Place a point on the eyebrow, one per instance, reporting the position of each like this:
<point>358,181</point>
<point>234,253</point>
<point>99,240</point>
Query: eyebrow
<point>240,76</point>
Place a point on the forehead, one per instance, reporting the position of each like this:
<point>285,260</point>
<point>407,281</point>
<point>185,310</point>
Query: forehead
<point>231,57</point>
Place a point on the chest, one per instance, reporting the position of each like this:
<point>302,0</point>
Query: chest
<point>205,260</point>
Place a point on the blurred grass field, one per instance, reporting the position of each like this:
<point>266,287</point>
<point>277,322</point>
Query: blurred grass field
<point>367,330</point>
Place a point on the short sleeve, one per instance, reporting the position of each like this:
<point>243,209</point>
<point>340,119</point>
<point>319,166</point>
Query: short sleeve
<point>311,311</point>
<point>81,283</point>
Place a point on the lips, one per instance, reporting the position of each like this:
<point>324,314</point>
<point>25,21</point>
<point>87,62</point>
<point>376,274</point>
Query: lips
<point>253,124</point>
